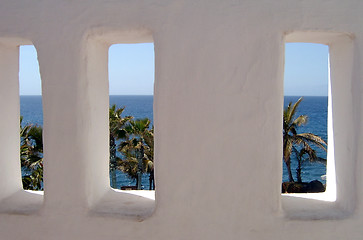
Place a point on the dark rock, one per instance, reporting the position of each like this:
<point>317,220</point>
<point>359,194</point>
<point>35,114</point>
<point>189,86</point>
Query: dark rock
<point>284,187</point>
<point>303,187</point>
<point>315,187</point>
<point>128,187</point>
<point>294,187</point>
<point>297,188</point>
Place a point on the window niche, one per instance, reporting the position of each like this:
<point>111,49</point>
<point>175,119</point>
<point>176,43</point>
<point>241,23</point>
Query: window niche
<point>14,199</point>
<point>305,118</point>
<point>104,199</point>
<point>31,117</point>
<point>337,201</point>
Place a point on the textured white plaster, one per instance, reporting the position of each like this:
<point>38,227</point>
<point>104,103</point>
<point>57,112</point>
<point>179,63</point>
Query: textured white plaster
<point>102,200</point>
<point>13,199</point>
<point>340,181</point>
<point>217,112</point>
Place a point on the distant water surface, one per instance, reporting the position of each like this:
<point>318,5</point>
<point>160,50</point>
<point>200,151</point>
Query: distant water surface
<point>142,106</point>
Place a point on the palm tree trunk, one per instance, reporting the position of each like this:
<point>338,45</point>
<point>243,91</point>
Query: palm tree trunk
<point>113,161</point>
<point>113,178</point>
<point>298,170</point>
<point>288,166</point>
<point>138,183</point>
<point>151,180</point>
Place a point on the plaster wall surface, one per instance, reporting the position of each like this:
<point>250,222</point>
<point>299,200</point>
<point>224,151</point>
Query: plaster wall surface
<point>217,112</point>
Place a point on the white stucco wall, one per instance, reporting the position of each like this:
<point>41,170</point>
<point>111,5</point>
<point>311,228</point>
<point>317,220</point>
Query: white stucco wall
<point>217,113</point>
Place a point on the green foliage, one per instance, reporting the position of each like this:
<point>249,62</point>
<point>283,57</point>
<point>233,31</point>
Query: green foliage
<point>139,139</point>
<point>129,137</point>
<point>34,181</point>
<point>31,156</point>
<point>117,131</point>
<point>117,122</point>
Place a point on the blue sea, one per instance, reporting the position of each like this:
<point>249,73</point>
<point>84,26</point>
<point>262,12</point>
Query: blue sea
<point>142,106</point>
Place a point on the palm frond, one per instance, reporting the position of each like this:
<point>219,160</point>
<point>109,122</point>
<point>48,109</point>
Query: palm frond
<point>301,120</point>
<point>293,109</point>
<point>313,139</point>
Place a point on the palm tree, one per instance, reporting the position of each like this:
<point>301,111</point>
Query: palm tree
<point>303,155</point>
<point>117,131</point>
<point>31,156</point>
<point>293,140</point>
<point>138,150</point>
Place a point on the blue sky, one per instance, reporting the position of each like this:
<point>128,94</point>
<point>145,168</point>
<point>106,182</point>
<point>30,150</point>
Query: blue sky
<point>131,70</point>
<point>29,77</point>
<point>306,69</point>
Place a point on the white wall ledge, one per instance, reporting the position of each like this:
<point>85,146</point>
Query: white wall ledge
<point>312,207</point>
<point>134,205</point>
<point>22,202</point>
